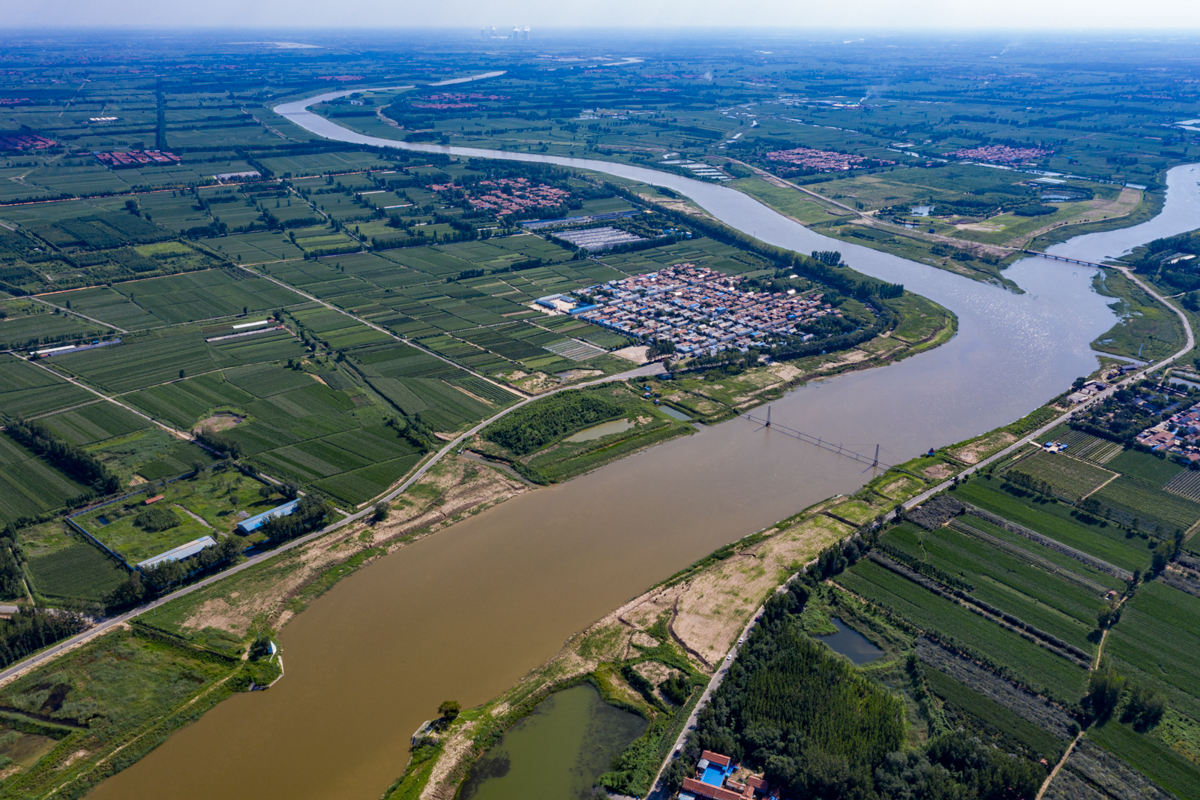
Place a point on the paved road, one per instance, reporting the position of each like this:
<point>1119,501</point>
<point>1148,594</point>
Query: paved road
<point>107,624</point>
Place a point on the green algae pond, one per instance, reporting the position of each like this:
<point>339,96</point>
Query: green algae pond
<point>555,753</point>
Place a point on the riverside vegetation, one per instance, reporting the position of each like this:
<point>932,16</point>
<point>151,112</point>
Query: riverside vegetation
<point>305,319</point>
<point>331,401</point>
<point>1005,609</point>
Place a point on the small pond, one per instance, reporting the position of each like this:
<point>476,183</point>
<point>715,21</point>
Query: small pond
<point>675,413</point>
<point>555,753</point>
<point>850,643</point>
<point>603,429</point>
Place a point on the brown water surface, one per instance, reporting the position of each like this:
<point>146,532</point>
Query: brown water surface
<point>465,613</point>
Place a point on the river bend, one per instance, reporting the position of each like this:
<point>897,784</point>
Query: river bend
<point>465,613</point>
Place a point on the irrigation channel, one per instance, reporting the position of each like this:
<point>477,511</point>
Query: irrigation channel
<point>466,613</point>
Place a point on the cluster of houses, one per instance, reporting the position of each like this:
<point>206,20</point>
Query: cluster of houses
<point>1086,392</point>
<point>716,779</point>
<point>25,141</point>
<point>1178,434</point>
<point>120,159</point>
<point>1001,154</point>
<point>504,196</point>
<point>697,309</point>
<point>821,160</point>
<point>444,101</point>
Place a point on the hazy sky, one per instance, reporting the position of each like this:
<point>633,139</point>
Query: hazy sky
<point>1161,15</point>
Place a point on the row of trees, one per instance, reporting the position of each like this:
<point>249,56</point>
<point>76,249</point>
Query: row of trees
<point>74,462</point>
<point>530,428</point>
<point>31,630</point>
<point>309,514</point>
<point>817,727</point>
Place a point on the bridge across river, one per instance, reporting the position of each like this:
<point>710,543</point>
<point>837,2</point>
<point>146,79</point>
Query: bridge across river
<point>1065,258</point>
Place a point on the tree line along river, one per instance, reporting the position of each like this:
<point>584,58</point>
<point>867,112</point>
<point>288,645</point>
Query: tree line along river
<point>466,613</point>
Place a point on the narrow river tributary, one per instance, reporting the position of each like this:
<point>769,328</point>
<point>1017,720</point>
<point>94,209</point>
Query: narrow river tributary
<point>465,613</point>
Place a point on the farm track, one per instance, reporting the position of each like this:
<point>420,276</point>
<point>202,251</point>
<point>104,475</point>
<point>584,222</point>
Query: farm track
<point>68,311</point>
<point>382,330</point>
<point>176,433</point>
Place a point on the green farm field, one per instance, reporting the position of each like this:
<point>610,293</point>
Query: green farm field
<point>1071,479</point>
<point>1151,757</point>
<point>28,390</point>
<point>1102,540</point>
<point>29,487</point>
<point>1028,662</point>
<point>1145,467</point>
<point>1050,602</point>
<point>80,571</point>
<point>993,715</point>
<point>1152,509</point>
<point>1159,637</point>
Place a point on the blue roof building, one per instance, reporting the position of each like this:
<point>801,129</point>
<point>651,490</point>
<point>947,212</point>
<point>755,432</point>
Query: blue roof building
<point>254,523</point>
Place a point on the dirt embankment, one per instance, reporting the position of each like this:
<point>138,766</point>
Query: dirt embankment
<point>704,614</point>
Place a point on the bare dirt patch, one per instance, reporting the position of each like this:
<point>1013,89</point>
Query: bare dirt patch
<point>938,472</point>
<point>896,488</point>
<point>785,372</point>
<point>532,383</point>
<point>848,357</point>
<point>714,606</point>
<point>578,374</point>
<point>453,750</point>
<point>636,353</point>
<point>975,452</point>
<point>221,421</point>
<point>643,639</point>
<point>318,379</point>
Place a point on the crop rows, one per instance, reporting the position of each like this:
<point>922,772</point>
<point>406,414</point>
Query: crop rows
<point>1154,510</point>
<point>27,390</point>
<point>1040,712</point>
<point>94,423</point>
<point>1090,448</point>
<point>1071,479</point>
<point>1057,523</point>
<point>1186,485</point>
<point>1011,583</point>
<point>79,571</point>
<point>1159,634</point>
<point>999,616</point>
<point>1100,773</point>
<point>1030,663</point>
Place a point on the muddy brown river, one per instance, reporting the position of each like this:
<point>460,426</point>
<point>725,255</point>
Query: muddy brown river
<point>466,613</point>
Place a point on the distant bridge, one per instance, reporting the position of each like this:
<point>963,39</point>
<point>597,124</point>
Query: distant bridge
<point>1068,260</point>
<point>826,445</point>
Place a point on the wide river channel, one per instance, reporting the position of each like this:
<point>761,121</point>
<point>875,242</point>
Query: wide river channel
<point>466,613</point>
